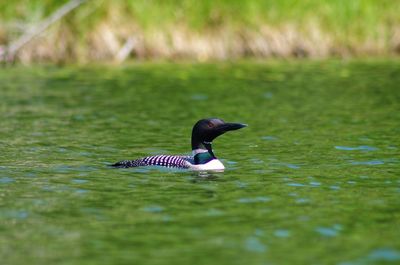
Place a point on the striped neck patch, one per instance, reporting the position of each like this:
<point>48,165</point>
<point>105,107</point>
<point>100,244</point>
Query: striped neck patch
<point>203,158</point>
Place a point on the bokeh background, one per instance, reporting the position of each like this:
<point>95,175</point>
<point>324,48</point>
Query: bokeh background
<point>115,31</point>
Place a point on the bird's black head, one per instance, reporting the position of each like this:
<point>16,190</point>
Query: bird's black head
<point>206,130</point>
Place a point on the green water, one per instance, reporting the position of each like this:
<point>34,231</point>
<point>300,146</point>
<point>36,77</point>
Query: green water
<point>314,179</point>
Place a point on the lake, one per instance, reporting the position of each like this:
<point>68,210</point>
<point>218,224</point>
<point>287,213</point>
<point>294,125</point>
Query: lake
<point>313,179</point>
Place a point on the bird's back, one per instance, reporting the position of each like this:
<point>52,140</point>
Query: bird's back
<point>171,161</point>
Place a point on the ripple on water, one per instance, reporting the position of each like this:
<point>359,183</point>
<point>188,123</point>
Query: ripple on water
<point>269,138</point>
<point>303,218</point>
<point>259,232</point>
<point>268,95</point>
<point>94,212</point>
<point>167,218</point>
<point>153,209</point>
<point>91,210</point>
<point>334,187</point>
<point>214,212</point>
<point>282,233</point>
<point>368,163</point>
<point>294,184</point>
<point>329,231</point>
<point>140,169</point>
<point>357,148</point>
<point>85,153</point>
<point>315,184</point>
<point>376,256</point>
<point>67,169</point>
<point>384,254</point>
<point>253,244</point>
<point>31,175</point>
<point>48,188</point>
<point>256,161</point>
<point>288,165</point>
<point>241,184</point>
<point>14,214</point>
<point>260,171</point>
<point>6,180</point>
<point>62,150</point>
<point>302,200</point>
<point>81,191</point>
<point>79,181</point>
<point>199,97</point>
<point>254,199</point>
<point>292,166</point>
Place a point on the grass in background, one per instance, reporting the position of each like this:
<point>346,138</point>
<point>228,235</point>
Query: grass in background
<point>219,29</point>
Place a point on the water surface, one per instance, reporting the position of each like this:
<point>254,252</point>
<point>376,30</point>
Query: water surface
<point>314,179</point>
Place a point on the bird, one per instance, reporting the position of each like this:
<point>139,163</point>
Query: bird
<point>203,158</point>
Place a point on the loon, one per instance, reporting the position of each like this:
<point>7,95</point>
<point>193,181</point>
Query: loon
<point>203,133</point>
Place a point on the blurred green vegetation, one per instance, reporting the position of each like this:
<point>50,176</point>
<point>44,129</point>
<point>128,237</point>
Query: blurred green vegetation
<point>345,23</point>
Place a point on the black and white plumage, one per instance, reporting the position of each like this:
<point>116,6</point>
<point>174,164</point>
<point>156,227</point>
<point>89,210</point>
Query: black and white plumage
<point>158,160</point>
<point>203,133</point>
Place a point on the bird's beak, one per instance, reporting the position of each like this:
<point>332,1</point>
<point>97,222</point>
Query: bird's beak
<point>231,126</point>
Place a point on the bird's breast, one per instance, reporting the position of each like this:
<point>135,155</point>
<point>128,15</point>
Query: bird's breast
<point>214,164</point>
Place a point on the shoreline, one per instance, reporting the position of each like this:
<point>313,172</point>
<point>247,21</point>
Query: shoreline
<point>114,33</point>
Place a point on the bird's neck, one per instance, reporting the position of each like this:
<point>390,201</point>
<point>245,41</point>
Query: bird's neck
<point>202,156</point>
<point>202,153</point>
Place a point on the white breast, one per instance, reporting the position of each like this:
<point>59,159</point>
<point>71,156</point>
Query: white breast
<point>214,164</point>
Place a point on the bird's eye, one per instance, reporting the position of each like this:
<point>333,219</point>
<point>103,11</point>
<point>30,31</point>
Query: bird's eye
<point>210,124</point>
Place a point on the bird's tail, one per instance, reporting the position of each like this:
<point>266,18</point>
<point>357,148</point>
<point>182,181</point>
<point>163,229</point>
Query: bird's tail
<point>127,163</point>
